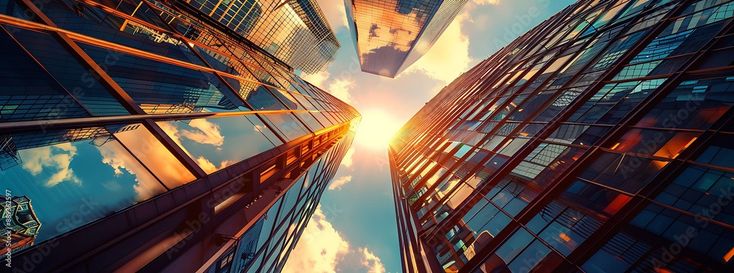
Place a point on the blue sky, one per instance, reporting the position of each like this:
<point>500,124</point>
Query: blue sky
<point>354,230</point>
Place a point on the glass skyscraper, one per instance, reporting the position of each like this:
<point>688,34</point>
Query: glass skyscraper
<point>295,31</point>
<point>600,141</point>
<point>390,35</point>
<point>137,137</point>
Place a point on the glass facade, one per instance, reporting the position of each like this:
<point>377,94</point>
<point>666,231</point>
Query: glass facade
<point>296,32</point>
<point>390,35</point>
<point>599,141</point>
<point>135,138</point>
<point>266,245</point>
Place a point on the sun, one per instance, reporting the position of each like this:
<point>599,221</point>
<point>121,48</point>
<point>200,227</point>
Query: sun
<point>376,129</point>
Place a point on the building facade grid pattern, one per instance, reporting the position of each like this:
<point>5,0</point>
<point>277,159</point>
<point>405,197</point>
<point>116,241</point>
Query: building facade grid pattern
<point>294,31</point>
<point>129,121</point>
<point>391,35</point>
<point>591,134</point>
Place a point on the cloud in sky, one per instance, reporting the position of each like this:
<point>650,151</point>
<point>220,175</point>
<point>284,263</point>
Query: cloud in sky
<point>337,183</point>
<point>348,158</point>
<point>334,12</point>
<point>449,56</point>
<point>371,261</point>
<point>317,79</point>
<point>486,2</point>
<point>319,249</point>
<point>340,88</point>
<point>56,157</point>
<point>322,249</point>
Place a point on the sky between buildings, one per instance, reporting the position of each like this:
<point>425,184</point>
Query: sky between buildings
<point>354,229</point>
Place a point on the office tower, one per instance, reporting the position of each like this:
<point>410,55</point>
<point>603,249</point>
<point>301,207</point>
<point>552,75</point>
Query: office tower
<point>600,141</point>
<point>151,141</point>
<point>294,31</point>
<point>390,35</point>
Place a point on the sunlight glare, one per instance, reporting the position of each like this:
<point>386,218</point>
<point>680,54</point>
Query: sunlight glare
<point>376,129</point>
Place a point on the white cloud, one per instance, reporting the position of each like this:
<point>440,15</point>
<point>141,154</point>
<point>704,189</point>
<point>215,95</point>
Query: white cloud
<point>56,157</point>
<point>207,133</point>
<point>340,88</point>
<point>449,56</point>
<point>153,154</point>
<point>322,249</point>
<point>117,157</point>
<point>317,79</point>
<point>339,182</point>
<point>205,164</point>
<point>319,249</point>
<point>348,158</point>
<point>487,2</point>
<point>172,132</point>
<point>209,167</point>
<point>371,261</point>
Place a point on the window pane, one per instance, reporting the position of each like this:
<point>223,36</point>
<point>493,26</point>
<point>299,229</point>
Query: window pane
<point>154,155</point>
<point>73,177</point>
<point>215,143</point>
<point>160,88</point>
<point>28,92</point>
<point>67,70</point>
<point>514,245</point>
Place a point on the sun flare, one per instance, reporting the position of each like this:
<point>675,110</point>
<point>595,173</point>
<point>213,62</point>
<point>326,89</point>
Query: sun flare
<point>376,129</point>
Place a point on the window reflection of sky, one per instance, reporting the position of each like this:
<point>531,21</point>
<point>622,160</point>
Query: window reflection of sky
<point>76,178</point>
<point>392,34</point>
<point>154,155</point>
<point>262,99</point>
<point>385,34</point>
<point>73,183</point>
<point>216,143</point>
<point>286,124</point>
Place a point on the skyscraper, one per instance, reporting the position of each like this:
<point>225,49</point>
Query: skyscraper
<point>294,31</point>
<point>148,140</point>
<point>600,141</point>
<point>390,35</point>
